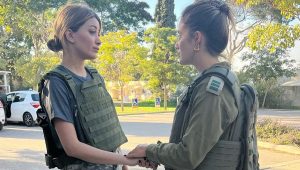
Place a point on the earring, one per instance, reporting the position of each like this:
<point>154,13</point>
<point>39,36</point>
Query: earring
<point>197,48</point>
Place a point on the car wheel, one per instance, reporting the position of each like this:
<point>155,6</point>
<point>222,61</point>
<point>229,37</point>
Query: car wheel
<point>27,119</point>
<point>1,126</point>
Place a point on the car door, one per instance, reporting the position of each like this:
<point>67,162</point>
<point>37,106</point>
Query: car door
<point>9,99</point>
<point>17,107</point>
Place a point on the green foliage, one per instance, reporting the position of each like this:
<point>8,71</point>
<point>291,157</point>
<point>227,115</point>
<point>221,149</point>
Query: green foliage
<point>120,56</point>
<point>148,103</point>
<point>264,69</point>
<point>121,14</point>
<point>287,8</point>
<point>25,25</point>
<point>274,98</point>
<point>274,132</point>
<point>33,68</point>
<point>265,66</point>
<point>272,36</point>
<point>29,18</point>
<point>162,69</point>
<point>164,13</point>
<point>277,29</point>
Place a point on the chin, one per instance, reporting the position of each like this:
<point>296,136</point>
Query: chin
<point>91,57</point>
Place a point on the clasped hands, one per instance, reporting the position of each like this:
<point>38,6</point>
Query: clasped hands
<point>140,152</point>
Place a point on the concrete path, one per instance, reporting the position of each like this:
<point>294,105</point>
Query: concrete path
<point>23,148</point>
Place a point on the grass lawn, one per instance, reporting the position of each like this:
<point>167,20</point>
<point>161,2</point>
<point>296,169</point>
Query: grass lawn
<point>139,110</point>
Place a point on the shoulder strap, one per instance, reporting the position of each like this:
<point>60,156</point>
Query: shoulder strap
<point>67,78</point>
<point>94,73</point>
<point>64,76</point>
<point>222,72</point>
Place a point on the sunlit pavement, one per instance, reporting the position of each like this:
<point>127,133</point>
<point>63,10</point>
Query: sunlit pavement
<point>23,148</point>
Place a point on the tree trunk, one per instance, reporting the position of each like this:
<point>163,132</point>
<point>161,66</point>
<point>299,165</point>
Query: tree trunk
<point>265,96</point>
<point>165,96</point>
<point>122,104</point>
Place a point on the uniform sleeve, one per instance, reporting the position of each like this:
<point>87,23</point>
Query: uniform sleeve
<point>59,101</point>
<point>207,122</point>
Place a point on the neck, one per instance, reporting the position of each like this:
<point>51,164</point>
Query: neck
<point>74,63</point>
<point>205,61</point>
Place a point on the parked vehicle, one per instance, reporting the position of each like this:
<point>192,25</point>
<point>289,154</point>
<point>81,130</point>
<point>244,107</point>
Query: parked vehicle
<point>2,114</point>
<point>21,106</point>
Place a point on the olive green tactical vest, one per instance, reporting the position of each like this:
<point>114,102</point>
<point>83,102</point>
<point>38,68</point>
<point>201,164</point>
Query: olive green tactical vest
<point>95,111</point>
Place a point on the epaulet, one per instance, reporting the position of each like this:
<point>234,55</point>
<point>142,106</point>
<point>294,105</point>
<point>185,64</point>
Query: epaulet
<point>215,85</point>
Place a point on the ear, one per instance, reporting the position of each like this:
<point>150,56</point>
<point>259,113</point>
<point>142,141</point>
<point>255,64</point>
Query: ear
<point>198,37</point>
<point>70,37</point>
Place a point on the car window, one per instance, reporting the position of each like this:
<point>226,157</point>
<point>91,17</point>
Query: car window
<point>35,97</point>
<point>19,97</point>
<point>10,97</point>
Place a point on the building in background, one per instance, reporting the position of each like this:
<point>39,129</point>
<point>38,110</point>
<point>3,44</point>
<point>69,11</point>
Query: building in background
<point>292,90</point>
<point>133,89</point>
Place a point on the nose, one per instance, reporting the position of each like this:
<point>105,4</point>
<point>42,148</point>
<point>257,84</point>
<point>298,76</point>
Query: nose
<point>98,41</point>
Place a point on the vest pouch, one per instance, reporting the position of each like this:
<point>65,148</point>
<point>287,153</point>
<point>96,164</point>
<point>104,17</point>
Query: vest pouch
<point>98,117</point>
<point>224,155</point>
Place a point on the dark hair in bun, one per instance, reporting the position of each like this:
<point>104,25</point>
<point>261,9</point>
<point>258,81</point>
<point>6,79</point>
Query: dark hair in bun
<point>212,18</point>
<point>54,45</point>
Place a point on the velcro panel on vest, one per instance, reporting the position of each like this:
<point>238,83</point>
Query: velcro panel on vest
<point>98,117</point>
<point>224,155</point>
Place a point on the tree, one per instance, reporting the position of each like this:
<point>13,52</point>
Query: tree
<point>265,68</point>
<point>120,58</point>
<point>164,14</point>
<point>25,25</point>
<point>163,70</point>
<point>24,31</point>
<point>263,24</point>
<point>121,14</point>
<point>278,30</point>
<point>32,69</point>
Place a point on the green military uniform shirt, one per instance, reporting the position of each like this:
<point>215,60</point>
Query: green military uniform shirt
<point>211,110</point>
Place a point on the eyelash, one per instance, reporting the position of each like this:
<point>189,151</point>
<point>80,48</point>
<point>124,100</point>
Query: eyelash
<point>94,32</point>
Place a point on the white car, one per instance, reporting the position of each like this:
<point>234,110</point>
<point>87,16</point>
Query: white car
<point>21,106</point>
<point>2,115</point>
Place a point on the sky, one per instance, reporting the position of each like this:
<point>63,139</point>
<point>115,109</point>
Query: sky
<point>181,4</point>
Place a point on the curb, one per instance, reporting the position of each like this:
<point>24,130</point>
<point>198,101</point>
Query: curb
<point>282,148</point>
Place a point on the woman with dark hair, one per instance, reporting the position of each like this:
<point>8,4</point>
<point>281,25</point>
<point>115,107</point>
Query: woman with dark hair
<point>75,97</point>
<point>204,116</point>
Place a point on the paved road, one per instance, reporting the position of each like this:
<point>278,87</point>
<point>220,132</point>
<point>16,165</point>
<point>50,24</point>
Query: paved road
<point>23,148</point>
<point>286,117</point>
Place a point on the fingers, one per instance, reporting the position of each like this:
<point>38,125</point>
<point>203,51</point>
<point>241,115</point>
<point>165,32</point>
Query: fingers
<point>147,164</point>
<point>138,152</point>
<point>124,167</point>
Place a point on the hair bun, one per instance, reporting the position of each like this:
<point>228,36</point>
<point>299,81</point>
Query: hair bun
<point>54,45</point>
<point>224,8</point>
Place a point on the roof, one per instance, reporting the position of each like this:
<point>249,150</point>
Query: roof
<point>293,83</point>
<point>4,72</point>
<point>24,91</point>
